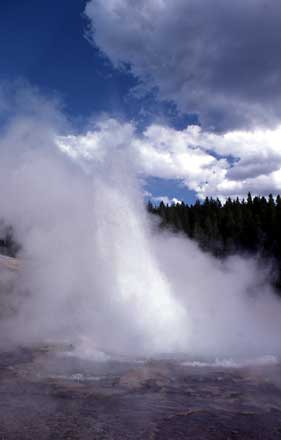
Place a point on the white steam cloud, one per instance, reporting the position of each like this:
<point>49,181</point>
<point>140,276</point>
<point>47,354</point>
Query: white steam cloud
<point>94,266</point>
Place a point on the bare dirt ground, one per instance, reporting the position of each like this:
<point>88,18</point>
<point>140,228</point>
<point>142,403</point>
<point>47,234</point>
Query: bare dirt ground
<point>46,395</point>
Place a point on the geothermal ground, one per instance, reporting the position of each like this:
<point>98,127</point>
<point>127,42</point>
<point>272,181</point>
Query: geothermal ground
<point>46,393</point>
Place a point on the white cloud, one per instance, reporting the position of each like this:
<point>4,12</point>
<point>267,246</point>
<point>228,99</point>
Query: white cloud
<point>201,159</point>
<point>211,58</point>
<point>94,144</point>
<point>198,158</point>
<point>166,200</point>
<point>219,59</point>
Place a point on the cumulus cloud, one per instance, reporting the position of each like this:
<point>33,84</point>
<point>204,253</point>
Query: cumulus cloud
<point>165,199</point>
<point>219,59</point>
<point>214,164</point>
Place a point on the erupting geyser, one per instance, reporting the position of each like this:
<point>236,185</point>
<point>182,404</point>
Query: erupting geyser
<point>160,321</point>
<point>95,268</point>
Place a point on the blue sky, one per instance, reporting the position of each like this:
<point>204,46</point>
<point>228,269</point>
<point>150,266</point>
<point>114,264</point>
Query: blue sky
<point>168,49</point>
<point>44,43</point>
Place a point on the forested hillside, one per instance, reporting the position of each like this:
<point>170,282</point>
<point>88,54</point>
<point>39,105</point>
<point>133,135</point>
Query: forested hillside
<point>237,226</point>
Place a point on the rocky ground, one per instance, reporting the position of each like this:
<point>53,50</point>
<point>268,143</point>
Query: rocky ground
<point>48,395</point>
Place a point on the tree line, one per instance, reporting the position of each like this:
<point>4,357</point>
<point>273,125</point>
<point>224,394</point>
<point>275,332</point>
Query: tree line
<point>251,226</point>
<point>244,226</point>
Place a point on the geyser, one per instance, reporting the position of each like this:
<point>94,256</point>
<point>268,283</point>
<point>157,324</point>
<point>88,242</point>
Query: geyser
<point>159,322</point>
<point>96,269</point>
<point>89,270</point>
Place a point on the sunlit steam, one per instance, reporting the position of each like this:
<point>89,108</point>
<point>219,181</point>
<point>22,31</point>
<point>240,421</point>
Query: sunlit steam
<point>95,269</point>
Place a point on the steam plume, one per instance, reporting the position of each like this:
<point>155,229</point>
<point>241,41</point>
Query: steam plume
<point>94,266</point>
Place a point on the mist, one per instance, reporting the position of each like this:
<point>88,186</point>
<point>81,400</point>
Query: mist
<point>96,271</point>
